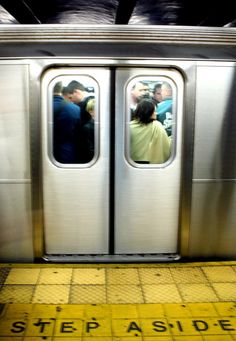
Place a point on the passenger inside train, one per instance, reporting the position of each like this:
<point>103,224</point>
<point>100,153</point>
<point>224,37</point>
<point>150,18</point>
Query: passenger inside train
<point>78,135</point>
<point>148,139</point>
<point>149,144</point>
<point>164,114</point>
<point>66,127</point>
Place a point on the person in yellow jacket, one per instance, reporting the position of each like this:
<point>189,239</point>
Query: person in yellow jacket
<point>149,142</point>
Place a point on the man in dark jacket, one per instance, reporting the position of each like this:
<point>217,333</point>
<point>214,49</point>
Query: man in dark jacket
<point>66,128</point>
<point>80,96</point>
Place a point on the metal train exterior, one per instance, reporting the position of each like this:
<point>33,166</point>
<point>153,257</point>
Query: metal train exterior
<point>112,209</point>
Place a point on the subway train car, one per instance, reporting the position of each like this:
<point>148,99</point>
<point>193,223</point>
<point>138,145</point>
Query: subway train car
<point>113,207</point>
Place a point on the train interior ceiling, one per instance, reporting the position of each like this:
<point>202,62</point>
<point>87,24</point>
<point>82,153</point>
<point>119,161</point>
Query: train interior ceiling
<point>133,12</point>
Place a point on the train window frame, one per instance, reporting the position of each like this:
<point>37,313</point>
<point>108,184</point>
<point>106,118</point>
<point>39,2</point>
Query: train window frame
<point>50,120</point>
<point>127,92</point>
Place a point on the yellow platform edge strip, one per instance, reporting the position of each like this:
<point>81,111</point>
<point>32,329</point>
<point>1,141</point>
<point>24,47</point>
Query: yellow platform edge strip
<point>115,265</point>
<point>117,321</point>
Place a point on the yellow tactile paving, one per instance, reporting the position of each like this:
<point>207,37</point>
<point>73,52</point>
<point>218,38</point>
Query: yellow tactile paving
<point>16,294</point>
<point>122,276</point>
<point>124,294</point>
<point>155,276</point>
<point>225,291</point>
<point>52,294</point>
<point>55,276</point>
<point>220,274</point>
<point>88,294</point>
<point>23,276</point>
<point>188,275</point>
<point>163,293</point>
<point>197,293</point>
<point>118,302</point>
<point>89,276</point>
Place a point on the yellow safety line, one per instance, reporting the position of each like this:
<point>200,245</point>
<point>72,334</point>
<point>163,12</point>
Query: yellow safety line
<point>115,265</point>
<point>117,321</point>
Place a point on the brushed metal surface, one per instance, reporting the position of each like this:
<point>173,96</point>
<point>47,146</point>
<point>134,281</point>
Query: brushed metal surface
<point>215,126</point>
<point>14,127</point>
<point>76,198</point>
<point>16,240</point>
<point>147,198</point>
<point>213,219</point>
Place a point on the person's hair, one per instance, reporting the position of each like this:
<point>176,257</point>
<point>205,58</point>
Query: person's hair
<point>139,82</point>
<point>156,86</point>
<point>144,111</point>
<point>167,86</point>
<point>58,88</point>
<point>90,105</point>
<point>65,91</point>
<point>75,85</point>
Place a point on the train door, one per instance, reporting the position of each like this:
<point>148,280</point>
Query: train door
<point>111,204</point>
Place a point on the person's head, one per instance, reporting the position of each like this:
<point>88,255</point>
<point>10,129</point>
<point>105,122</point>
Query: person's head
<point>76,91</point>
<point>139,90</point>
<point>157,93</point>
<point>90,107</point>
<point>166,91</point>
<point>57,90</point>
<point>66,94</point>
<point>145,111</point>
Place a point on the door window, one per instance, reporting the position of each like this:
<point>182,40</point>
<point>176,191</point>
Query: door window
<point>74,116</point>
<point>150,120</point>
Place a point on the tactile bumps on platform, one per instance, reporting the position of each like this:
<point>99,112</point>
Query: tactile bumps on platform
<point>57,294</point>
<point>55,276</point>
<point>89,276</point>
<point>116,284</point>
<point>16,294</point>
<point>188,275</point>
<point>124,294</point>
<point>155,276</point>
<point>122,276</point>
<point>92,294</point>
<point>162,293</point>
<point>197,293</point>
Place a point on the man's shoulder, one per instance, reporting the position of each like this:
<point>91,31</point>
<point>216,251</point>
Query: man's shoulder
<point>72,106</point>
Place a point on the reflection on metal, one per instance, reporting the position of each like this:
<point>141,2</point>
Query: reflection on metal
<point>6,17</point>
<point>152,12</point>
<point>21,11</point>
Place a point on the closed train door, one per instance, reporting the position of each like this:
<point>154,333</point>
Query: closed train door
<point>112,200</point>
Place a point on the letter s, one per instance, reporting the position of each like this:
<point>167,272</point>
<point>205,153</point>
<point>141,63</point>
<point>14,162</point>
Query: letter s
<point>19,325</point>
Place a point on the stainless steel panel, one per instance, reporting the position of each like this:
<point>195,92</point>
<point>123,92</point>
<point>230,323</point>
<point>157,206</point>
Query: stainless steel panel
<point>147,201</point>
<point>215,128</point>
<point>213,219</point>
<point>213,216</point>
<point>16,240</point>
<point>14,119</point>
<point>76,198</point>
